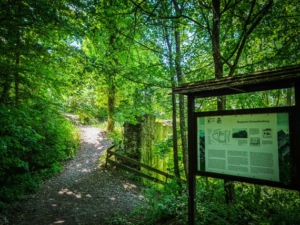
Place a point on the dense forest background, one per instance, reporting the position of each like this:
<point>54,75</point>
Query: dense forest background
<point>115,61</point>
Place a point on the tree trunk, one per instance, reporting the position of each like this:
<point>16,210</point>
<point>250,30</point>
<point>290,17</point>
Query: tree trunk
<point>174,105</point>
<point>257,194</point>
<point>182,122</point>
<point>133,141</point>
<point>175,142</point>
<point>174,116</point>
<point>17,79</point>
<point>5,92</point>
<point>221,104</point>
<point>17,62</point>
<point>183,134</point>
<point>111,107</point>
<point>289,97</point>
<point>111,90</point>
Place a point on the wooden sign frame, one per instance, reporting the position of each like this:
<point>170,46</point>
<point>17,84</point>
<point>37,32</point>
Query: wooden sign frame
<point>249,147</point>
<point>279,78</point>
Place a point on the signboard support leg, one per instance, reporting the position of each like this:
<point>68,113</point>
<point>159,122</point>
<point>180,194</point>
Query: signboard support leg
<point>192,162</point>
<point>296,160</point>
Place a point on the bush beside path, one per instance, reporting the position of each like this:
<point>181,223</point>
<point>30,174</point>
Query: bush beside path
<point>83,194</point>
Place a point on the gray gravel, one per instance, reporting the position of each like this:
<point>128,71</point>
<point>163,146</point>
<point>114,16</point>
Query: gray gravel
<point>84,193</point>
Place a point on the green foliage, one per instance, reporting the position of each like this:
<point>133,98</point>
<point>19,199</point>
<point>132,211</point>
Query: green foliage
<point>162,148</point>
<point>88,52</point>
<point>33,143</point>
<point>82,103</point>
<point>116,220</point>
<point>164,204</point>
<point>117,136</point>
<point>254,205</point>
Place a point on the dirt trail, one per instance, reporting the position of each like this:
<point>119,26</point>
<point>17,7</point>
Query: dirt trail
<point>84,193</point>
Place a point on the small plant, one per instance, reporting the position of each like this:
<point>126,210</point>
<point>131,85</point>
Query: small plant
<point>164,147</point>
<point>117,219</point>
<point>164,204</point>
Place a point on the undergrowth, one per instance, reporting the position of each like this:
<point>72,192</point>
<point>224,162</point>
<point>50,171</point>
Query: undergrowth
<point>253,205</point>
<point>34,141</point>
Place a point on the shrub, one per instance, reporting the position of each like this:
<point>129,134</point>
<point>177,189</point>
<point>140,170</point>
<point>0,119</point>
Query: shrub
<point>33,142</point>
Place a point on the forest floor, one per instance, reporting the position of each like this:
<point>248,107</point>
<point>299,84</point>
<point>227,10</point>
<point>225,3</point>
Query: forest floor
<point>85,193</point>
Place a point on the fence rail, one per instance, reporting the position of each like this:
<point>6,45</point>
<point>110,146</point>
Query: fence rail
<point>117,156</point>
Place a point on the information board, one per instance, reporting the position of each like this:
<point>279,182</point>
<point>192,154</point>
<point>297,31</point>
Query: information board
<point>247,145</point>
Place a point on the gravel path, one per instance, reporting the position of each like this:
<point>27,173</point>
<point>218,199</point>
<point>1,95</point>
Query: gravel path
<point>84,193</point>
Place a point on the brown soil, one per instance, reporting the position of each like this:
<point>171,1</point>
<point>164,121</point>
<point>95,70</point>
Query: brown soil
<point>84,193</point>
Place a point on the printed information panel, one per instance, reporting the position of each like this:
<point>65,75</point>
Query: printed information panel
<point>248,145</point>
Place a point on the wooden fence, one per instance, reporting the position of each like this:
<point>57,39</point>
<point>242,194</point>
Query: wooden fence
<point>118,156</point>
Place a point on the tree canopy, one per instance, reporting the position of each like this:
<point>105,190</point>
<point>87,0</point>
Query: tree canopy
<point>118,60</point>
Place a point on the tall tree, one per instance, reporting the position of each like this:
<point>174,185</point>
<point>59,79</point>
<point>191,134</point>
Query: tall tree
<point>174,104</point>
<point>178,66</point>
<point>35,39</point>
<point>237,19</point>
